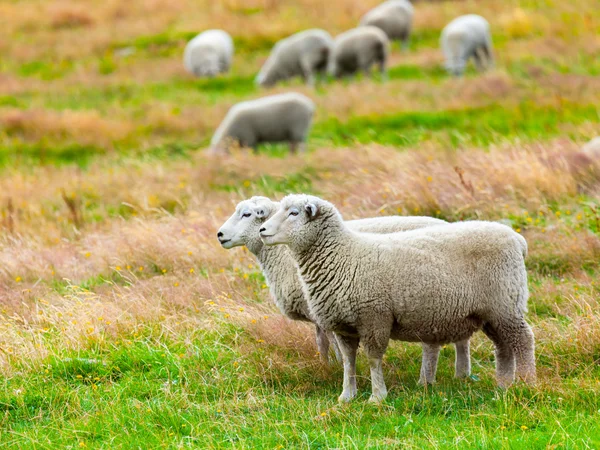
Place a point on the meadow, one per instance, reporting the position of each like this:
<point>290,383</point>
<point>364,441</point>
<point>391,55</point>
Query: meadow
<point>124,324</point>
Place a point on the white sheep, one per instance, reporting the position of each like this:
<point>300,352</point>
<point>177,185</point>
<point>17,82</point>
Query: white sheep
<point>281,273</point>
<point>394,17</point>
<point>275,118</point>
<point>464,38</point>
<point>358,50</point>
<point>592,149</point>
<point>436,285</point>
<point>302,54</point>
<point>208,54</point>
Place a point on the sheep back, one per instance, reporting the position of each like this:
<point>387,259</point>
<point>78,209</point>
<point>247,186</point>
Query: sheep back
<point>394,17</point>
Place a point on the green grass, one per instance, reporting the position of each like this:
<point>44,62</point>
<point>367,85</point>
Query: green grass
<point>479,126</point>
<point>203,391</point>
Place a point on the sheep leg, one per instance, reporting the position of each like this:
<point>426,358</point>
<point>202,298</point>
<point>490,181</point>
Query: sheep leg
<point>429,362</point>
<point>505,358</point>
<point>487,51</point>
<point>523,345</point>
<point>379,391</point>
<point>375,344</point>
<point>478,59</point>
<point>336,348</point>
<point>462,365</point>
<point>405,40</point>
<point>297,147</point>
<point>322,344</point>
<point>307,73</point>
<point>348,346</point>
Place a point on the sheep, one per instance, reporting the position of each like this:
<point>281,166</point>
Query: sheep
<point>208,54</point>
<point>280,270</point>
<point>592,149</point>
<point>394,17</point>
<point>465,37</point>
<point>275,118</point>
<point>302,54</point>
<point>357,50</point>
<point>436,284</point>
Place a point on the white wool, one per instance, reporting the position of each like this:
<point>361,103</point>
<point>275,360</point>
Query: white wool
<point>464,38</point>
<point>436,285</point>
<point>209,53</point>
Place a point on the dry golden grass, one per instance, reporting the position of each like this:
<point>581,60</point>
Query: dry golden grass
<point>44,248</point>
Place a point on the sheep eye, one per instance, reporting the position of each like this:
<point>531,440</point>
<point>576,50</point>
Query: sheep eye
<point>247,214</point>
<point>293,213</point>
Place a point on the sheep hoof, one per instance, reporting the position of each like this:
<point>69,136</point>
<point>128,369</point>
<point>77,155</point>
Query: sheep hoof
<point>377,398</point>
<point>505,382</point>
<point>346,397</point>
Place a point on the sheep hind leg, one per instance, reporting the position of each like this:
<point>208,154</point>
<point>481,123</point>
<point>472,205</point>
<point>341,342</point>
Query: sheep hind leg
<point>348,347</point>
<point>462,364</point>
<point>505,358</point>
<point>429,363</point>
<point>523,346</point>
<point>322,344</point>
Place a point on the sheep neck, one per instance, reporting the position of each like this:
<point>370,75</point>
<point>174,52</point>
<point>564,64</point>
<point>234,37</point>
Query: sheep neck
<point>280,271</point>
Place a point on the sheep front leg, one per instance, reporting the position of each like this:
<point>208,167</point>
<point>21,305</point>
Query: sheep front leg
<point>378,388</point>
<point>375,344</point>
<point>348,347</point>
<point>431,353</point>
<point>462,365</point>
<point>307,73</point>
<point>336,348</point>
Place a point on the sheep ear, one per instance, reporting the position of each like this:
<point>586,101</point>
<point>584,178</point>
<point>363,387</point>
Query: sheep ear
<point>311,210</point>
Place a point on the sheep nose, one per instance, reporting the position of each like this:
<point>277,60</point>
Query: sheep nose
<point>262,229</point>
<point>219,234</point>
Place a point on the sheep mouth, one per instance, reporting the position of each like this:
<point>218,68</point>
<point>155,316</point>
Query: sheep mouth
<point>224,241</point>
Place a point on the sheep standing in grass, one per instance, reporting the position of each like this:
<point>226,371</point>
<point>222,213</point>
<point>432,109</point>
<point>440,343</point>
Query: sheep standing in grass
<point>358,50</point>
<point>394,17</point>
<point>435,285</point>
<point>464,38</point>
<point>303,54</point>
<point>275,118</point>
<point>208,54</point>
<point>280,270</point>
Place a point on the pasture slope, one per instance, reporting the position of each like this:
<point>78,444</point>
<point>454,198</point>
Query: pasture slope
<point>123,324</point>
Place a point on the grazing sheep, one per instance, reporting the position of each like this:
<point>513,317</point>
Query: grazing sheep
<point>302,54</point>
<point>465,37</point>
<point>275,118</point>
<point>208,54</point>
<point>357,50</point>
<point>394,17</point>
<point>435,285</point>
<point>280,269</point>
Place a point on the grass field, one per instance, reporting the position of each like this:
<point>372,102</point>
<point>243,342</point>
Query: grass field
<point>123,323</point>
